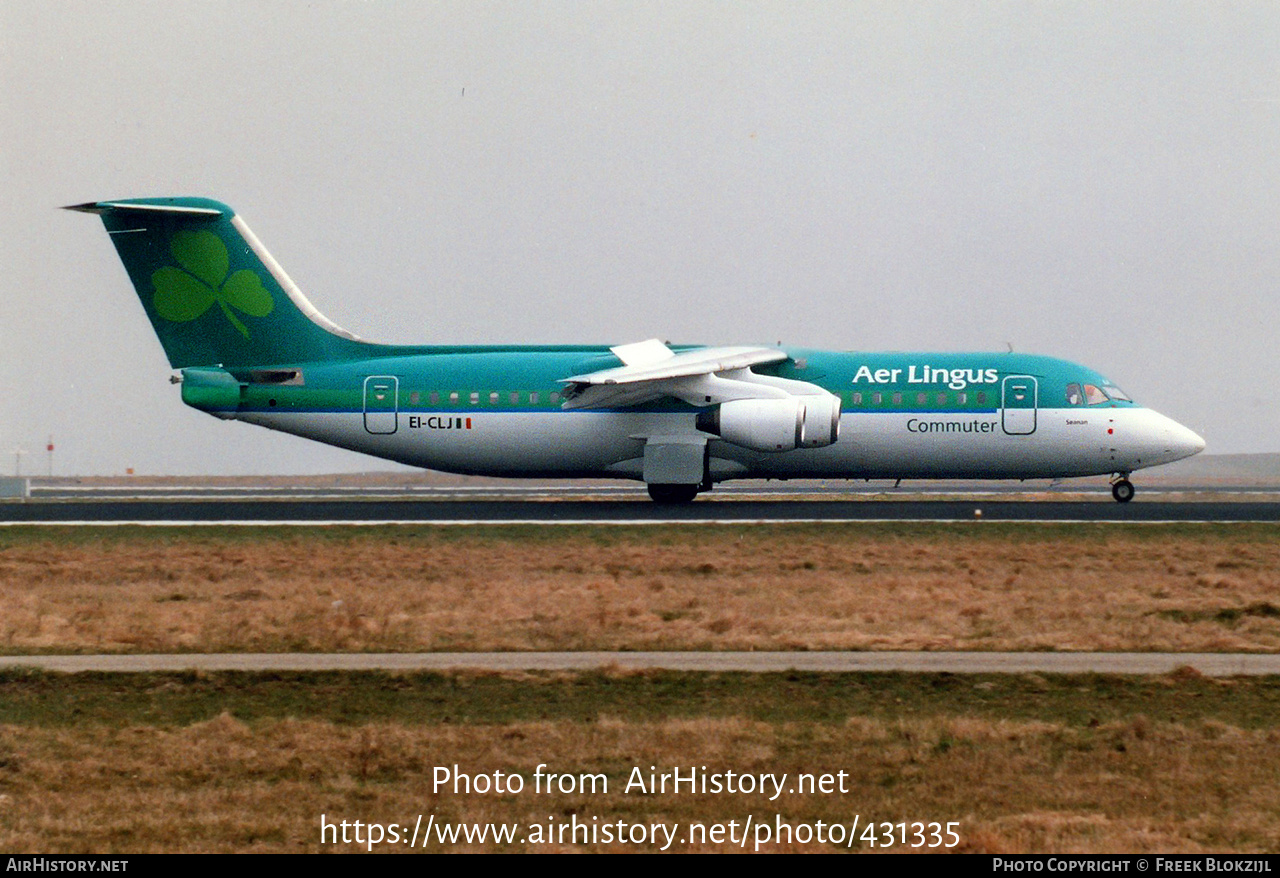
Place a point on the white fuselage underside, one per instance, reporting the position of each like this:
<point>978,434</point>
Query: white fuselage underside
<point>1062,443</point>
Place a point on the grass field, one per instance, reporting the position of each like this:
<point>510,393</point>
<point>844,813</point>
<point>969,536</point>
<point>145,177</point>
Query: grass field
<point>842,586</point>
<point>232,762</point>
<point>245,762</point>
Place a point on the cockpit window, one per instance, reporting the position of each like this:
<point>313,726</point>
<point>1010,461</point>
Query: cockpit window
<point>1075,396</point>
<point>1116,393</point>
<point>1093,396</point>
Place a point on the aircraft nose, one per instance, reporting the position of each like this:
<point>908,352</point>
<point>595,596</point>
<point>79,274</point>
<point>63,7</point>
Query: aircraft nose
<point>1195,444</point>
<point>1182,441</point>
<point>1161,439</point>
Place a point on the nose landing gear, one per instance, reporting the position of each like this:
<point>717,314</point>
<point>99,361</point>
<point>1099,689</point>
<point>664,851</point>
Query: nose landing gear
<point>1122,489</point>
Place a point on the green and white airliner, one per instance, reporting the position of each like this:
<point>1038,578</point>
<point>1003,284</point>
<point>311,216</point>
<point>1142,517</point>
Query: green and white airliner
<point>250,346</point>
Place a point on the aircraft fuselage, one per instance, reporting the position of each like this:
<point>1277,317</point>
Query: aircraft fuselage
<point>904,415</point>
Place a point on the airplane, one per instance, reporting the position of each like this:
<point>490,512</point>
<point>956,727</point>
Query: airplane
<point>249,346</point>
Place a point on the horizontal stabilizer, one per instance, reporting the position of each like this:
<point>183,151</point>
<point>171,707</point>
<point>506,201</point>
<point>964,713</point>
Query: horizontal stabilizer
<point>101,207</point>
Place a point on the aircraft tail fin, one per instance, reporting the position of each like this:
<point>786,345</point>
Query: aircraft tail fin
<point>213,293</point>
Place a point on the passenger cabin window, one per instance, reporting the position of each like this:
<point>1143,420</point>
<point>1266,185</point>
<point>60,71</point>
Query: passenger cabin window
<point>922,398</point>
<point>981,397</point>
<point>856,397</point>
<point>1093,396</point>
<point>897,399</point>
<point>435,397</point>
<point>962,397</point>
<point>515,398</point>
<point>415,398</point>
<point>475,397</point>
<point>533,398</point>
<point>942,399</point>
<point>453,398</point>
<point>493,398</point>
<point>1075,396</point>
<point>877,398</point>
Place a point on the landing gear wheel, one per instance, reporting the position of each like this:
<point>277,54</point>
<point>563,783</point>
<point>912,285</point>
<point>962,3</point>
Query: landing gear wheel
<point>672,494</point>
<point>1122,490</point>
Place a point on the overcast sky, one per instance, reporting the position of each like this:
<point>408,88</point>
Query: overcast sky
<point>1097,181</point>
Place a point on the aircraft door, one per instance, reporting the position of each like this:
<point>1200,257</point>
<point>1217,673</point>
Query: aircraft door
<point>1018,408</point>
<point>381,404</point>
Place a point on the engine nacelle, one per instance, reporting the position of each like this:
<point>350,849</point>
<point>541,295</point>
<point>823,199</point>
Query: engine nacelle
<point>821,420</point>
<point>758,424</point>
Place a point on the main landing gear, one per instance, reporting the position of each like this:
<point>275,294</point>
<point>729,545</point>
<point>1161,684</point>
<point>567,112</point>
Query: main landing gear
<point>673,494</point>
<point>1122,489</point>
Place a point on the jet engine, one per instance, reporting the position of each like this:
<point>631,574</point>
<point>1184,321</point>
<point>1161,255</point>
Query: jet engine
<point>821,420</point>
<point>758,424</point>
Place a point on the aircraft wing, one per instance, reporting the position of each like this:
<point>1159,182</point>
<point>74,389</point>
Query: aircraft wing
<point>651,370</point>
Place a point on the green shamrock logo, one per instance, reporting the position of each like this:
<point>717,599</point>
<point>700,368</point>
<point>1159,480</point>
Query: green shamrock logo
<point>185,293</point>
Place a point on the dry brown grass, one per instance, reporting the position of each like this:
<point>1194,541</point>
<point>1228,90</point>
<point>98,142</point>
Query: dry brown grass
<point>836,587</point>
<point>223,785</point>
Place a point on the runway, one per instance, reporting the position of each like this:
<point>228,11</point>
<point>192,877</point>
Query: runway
<point>101,511</point>
<point>1208,664</point>
<point>794,490</point>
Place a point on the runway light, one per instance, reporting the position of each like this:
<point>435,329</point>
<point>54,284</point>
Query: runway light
<point>977,513</point>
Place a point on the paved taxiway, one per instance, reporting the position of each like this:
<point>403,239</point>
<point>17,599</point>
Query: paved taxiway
<point>574,511</point>
<point>1209,664</point>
